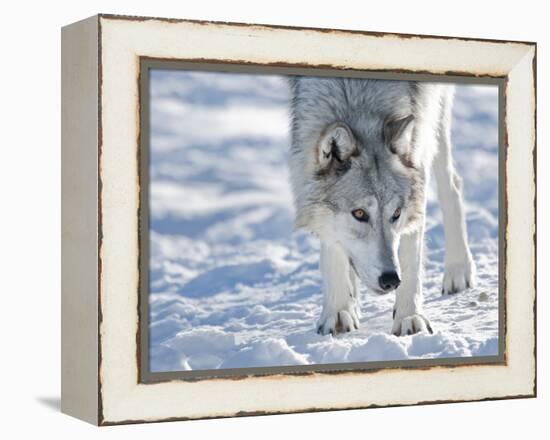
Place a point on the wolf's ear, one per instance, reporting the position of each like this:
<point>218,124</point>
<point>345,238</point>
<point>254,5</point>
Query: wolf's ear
<point>336,143</point>
<point>398,133</point>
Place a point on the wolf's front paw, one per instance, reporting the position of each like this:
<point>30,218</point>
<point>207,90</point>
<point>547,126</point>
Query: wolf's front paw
<point>459,276</point>
<point>409,325</point>
<point>343,321</point>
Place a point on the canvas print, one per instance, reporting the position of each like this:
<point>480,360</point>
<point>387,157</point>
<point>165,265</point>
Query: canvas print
<point>302,220</point>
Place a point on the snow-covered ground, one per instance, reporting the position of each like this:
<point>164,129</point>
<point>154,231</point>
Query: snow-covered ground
<point>233,286</point>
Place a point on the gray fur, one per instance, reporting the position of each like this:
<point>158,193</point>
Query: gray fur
<point>362,145</point>
<point>368,108</point>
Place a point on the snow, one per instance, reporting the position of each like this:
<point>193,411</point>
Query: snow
<point>233,286</point>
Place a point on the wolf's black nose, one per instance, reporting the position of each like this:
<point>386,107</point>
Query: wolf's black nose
<point>389,281</point>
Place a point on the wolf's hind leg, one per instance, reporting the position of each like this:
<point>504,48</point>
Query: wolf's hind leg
<point>407,311</point>
<point>340,294</point>
<point>459,265</point>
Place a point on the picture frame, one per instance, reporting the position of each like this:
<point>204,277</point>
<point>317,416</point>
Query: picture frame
<point>106,377</point>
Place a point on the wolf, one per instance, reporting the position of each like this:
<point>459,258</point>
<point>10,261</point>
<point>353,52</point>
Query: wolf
<point>360,159</point>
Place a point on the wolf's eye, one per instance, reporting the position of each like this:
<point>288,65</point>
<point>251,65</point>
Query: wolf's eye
<point>396,215</point>
<point>360,215</point>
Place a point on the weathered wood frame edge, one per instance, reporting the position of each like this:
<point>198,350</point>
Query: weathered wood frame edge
<point>80,137</point>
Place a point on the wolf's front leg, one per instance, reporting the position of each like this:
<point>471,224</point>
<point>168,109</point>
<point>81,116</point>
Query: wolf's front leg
<point>460,269</point>
<point>340,303</point>
<point>407,311</point>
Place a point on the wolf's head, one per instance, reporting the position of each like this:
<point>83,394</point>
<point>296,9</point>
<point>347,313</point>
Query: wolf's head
<point>355,176</point>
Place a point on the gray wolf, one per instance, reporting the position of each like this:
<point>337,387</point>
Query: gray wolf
<point>360,161</point>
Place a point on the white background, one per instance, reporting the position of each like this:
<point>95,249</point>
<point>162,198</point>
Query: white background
<point>30,218</point>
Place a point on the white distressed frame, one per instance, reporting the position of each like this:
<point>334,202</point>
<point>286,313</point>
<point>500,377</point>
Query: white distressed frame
<point>121,398</point>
